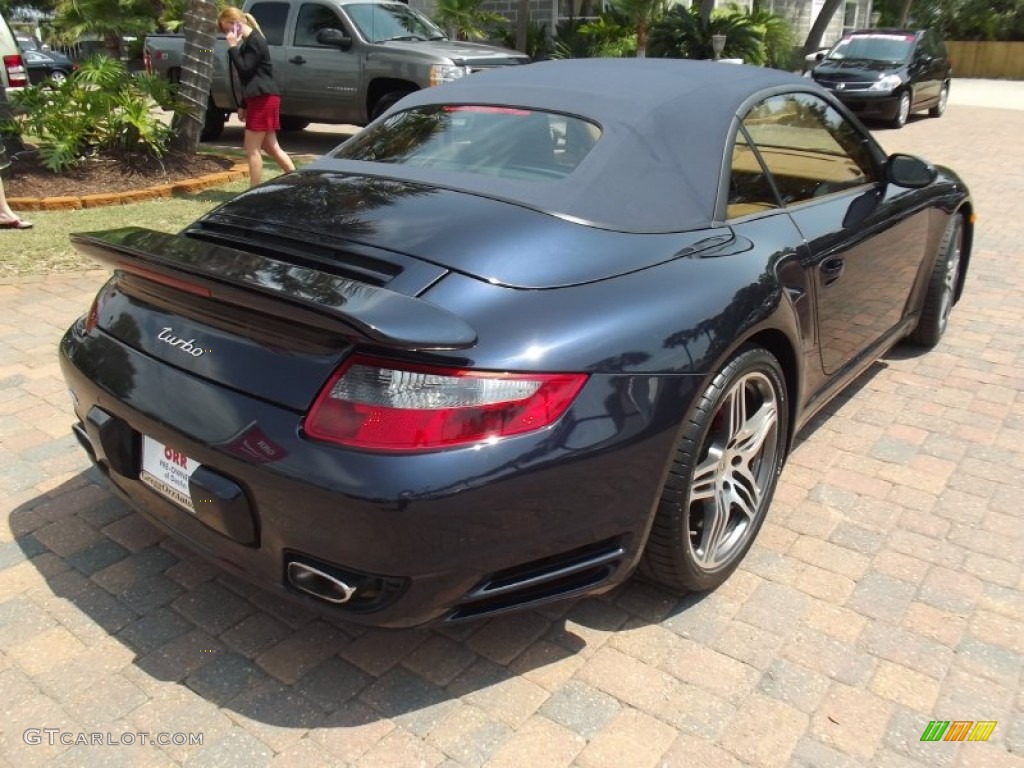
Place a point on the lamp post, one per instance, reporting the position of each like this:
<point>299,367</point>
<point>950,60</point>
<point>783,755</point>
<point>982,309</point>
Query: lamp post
<point>718,45</point>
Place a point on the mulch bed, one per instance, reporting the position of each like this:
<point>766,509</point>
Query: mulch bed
<point>27,177</point>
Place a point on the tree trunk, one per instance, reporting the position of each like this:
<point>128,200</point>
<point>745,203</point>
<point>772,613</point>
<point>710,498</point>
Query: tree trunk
<point>641,39</point>
<point>112,42</point>
<point>522,25</point>
<point>196,73</point>
<point>828,10</point>
<point>905,14</point>
<point>706,7</point>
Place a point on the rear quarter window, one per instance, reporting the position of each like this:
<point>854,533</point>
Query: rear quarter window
<point>271,18</point>
<point>508,142</point>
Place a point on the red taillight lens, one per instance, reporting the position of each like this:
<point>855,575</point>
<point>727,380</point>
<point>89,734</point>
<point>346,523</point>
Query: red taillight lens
<point>385,406</point>
<point>17,77</point>
<point>93,318</point>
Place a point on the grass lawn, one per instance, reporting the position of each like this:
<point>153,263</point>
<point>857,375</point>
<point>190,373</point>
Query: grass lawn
<point>46,247</point>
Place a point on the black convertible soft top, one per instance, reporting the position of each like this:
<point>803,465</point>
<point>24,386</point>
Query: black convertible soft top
<point>657,165</point>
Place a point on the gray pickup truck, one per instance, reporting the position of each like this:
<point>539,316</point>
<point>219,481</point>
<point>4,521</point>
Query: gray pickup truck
<point>336,61</point>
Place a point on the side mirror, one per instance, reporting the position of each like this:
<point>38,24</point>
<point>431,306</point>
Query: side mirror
<point>334,38</point>
<point>819,56</point>
<point>909,171</point>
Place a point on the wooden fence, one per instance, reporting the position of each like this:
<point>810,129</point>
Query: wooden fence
<point>987,59</point>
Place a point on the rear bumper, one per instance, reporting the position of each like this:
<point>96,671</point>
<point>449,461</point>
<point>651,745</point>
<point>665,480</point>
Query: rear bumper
<point>444,536</point>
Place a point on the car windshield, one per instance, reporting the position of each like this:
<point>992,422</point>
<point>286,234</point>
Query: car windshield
<point>379,22</point>
<point>513,143</point>
<point>873,47</point>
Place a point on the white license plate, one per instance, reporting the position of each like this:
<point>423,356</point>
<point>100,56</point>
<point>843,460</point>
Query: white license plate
<point>167,470</point>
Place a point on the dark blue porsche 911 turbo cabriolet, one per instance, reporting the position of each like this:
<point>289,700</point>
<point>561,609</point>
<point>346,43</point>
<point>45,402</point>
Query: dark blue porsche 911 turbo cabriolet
<point>524,334</point>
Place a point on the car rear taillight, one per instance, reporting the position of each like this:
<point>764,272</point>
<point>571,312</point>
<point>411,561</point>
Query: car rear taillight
<point>385,406</point>
<point>93,318</point>
<point>16,73</point>
<point>147,61</point>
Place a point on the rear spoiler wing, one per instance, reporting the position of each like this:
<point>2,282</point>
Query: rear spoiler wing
<point>278,288</point>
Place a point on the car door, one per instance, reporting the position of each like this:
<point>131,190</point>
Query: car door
<point>273,18</point>
<point>324,81</point>
<point>925,72</point>
<point>863,241</point>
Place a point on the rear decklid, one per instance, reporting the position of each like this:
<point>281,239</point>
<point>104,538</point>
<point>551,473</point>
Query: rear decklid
<point>265,326</point>
<point>501,241</point>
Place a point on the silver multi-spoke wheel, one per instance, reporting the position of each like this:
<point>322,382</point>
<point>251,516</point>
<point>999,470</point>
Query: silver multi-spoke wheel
<point>951,278</point>
<point>737,464</point>
<point>723,474</point>
<point>902,110</point>
<point>947,271</point>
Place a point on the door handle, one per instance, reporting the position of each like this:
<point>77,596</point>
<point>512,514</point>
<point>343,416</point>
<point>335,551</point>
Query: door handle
<point>832,269</point>
<point>296,60</point>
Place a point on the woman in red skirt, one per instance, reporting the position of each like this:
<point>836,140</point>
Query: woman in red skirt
<point>260,107</point>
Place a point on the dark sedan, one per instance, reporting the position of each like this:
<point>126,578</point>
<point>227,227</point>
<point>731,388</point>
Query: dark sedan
<point>49,66</point>
<point>523,335</point>
<point>888,74</point>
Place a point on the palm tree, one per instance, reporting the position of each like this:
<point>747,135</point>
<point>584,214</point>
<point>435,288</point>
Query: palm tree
<point>682,33</point>
<point>642,13</point>
<point>466,19</point>
<point>196,74</point>
<point>111,19</point>
<point>821,22</point>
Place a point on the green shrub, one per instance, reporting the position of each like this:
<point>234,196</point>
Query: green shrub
<point>101,108</point>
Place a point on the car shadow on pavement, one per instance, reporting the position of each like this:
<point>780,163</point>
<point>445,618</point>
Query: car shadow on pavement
<point>134,606</point>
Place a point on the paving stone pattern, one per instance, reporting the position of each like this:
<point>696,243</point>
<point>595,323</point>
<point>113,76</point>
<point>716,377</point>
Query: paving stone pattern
<point>885,590</point>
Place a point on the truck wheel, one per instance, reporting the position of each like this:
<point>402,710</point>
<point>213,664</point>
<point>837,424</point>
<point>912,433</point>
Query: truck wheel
<point>293,124</point>
<point>213,125</point>
<point>385,102</point>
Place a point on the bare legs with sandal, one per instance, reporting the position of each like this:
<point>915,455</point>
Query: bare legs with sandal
<point>264,141</point>
<point>8,218</point>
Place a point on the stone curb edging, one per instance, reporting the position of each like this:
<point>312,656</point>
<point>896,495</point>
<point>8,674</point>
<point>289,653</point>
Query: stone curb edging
<point>185,186</point>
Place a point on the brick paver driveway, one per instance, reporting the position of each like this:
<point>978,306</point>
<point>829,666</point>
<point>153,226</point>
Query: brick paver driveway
<point>885,590</point>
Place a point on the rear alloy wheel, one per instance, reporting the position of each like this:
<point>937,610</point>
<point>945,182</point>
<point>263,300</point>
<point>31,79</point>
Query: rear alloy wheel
<point>213,122</point>
<point>57,77</point>
<point>942,286</point>
<point>902,111</point>
<point>940,107</point>
<point>722,477</point>
<point>385,102</point>
<point>293,124</point>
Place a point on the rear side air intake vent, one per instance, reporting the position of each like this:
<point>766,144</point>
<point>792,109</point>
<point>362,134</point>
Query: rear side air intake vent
<point>542,580</point>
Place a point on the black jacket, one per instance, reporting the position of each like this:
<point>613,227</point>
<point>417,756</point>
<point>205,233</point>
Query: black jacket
<point>251,59</point>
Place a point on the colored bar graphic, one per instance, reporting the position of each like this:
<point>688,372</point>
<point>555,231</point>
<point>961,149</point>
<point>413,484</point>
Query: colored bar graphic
<point>982,730</point>
<point>958,730</point>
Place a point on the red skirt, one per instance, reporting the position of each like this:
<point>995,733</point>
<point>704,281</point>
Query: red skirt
<point>263,113</point>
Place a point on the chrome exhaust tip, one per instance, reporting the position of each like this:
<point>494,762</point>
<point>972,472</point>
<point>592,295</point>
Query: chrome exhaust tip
<point>315,582</point>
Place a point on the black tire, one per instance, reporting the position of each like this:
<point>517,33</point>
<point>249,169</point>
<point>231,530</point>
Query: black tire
<point>293,124</point>
<point>388,100</point>
<point>722,473</point>
<point>942,286</point>
<point>940,107</point>
<point>902,110</point>
<point>213,124</point>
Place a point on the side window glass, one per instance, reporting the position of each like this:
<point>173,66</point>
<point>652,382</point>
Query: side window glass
<point>271,18</point>
<point>809,148</point>
<point>312,18</point>
<point>749,190</point>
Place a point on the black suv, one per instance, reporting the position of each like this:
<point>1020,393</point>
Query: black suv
<point>887,73</point>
